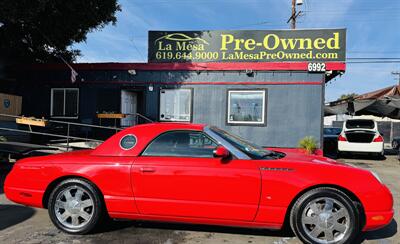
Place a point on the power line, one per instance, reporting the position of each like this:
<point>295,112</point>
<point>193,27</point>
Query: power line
<point>375,62</point>
<point>373,58</point>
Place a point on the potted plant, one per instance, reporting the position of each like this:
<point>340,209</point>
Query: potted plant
<point>308,144</point>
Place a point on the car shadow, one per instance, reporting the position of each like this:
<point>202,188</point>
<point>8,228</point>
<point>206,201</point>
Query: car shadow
<point>120,225</point>
<point>334,155</point>
<point>11,215</point>
<point>387,232</point>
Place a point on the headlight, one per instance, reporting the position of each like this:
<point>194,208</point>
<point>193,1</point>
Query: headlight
<point>376,176</point>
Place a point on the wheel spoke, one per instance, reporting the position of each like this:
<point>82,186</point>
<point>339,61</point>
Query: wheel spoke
<point>314,207</point>
<point>60,204</point>
<point>87,203</point>
<point>78,195</point>
<point>339,214</point>
<point>328,205</point>
<point>316,232</point>
<point>75,220</point>
<point>308,220</point>
<point>340,227</point>
<point>68,196</point>
<point>64,216</point>
<point>84,215</point>
<point>328,235</point>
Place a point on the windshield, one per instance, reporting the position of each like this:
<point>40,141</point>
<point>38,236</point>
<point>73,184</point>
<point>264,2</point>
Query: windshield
<point>252,150</point>
<point>332,131</point>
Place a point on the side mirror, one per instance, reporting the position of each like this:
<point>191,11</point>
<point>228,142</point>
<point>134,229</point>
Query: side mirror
<point>221,152</point>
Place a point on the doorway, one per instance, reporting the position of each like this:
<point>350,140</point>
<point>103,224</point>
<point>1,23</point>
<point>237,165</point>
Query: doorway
<point>129,100</point>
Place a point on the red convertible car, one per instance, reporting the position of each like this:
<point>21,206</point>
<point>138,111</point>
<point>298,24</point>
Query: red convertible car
<point>201,174</point>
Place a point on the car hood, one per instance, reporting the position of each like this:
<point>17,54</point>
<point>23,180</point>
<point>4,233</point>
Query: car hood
<point>298,155</point>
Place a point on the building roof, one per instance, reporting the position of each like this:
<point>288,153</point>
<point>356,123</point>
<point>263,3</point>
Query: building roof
<point>273,66</point>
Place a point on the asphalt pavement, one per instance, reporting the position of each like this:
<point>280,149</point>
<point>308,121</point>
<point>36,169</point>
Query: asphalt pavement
<point>21,224</point>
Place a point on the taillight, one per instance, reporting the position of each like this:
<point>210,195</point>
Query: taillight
<point>378,139</point>
<point>342,138</point>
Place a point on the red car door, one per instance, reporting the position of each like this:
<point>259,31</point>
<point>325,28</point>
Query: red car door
<point>177,175</point>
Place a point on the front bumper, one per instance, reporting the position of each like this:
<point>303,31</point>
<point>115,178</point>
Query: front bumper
<point>381,213</point>
<point>377,220</point>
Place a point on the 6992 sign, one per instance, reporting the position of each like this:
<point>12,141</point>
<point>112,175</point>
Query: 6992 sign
<point>316,67</point>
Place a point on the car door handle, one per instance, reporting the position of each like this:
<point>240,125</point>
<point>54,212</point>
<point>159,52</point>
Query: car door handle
<point>147,169</point>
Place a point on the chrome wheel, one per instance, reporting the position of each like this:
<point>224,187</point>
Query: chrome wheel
<point>325,220</point>
<point>74,207</point>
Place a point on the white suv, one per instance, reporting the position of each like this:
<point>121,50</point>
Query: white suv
<point>362,136</point>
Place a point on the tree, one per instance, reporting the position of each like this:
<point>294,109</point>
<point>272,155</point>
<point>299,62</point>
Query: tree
<point>41,31</point>
<point>347,96</point>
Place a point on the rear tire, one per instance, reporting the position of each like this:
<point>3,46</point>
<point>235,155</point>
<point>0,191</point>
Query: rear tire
<point>380,155</point>
<point>325,215</point>
<point>395,145</point>
<point>340,154</point>
<point>75,206</point>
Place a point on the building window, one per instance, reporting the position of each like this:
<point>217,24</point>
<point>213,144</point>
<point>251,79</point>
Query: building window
<point>64,102</point>
<point>193,144</point>
<point>176,105</point>
<point>246,107</point>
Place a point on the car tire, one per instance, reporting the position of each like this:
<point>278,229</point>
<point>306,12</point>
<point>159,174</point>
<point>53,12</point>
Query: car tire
<point>380,155</point>
<point>325,215</point>
<point>395,145</point>
<point>339,154</point>
<point>75,206</point>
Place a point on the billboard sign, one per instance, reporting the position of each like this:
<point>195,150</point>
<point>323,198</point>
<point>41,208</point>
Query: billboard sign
<point>319,45</point>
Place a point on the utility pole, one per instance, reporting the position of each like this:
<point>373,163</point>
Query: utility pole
<point>293,17</point>
<point>397,73</point>
<point>295,14</point>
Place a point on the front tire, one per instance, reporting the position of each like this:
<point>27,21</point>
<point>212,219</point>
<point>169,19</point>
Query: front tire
<point>325,215</point>
<point>75,206</point>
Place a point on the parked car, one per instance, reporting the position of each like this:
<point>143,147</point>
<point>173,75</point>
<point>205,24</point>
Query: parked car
<point>331,135</point>
<point>203,175</point>
<point>360,136</point>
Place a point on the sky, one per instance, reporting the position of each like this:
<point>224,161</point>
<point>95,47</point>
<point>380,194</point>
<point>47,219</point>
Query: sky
<point>372,31</point>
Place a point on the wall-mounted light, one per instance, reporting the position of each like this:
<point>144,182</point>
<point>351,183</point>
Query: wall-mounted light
<point>132,72</point>
<point>249,72</point>
<point>151,87</point>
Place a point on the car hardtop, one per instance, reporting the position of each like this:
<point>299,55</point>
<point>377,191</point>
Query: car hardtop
<point>143,134</point>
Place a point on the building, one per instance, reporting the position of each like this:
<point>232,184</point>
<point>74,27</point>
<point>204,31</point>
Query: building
<point>274,104</point>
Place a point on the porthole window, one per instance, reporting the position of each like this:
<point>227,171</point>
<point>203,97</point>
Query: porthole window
<point>128,142</point>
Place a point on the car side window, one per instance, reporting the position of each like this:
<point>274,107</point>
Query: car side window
<point>181,144</point>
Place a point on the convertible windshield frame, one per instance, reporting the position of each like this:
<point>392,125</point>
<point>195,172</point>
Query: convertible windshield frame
<point>250,150</point>
<point>221,141</point>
